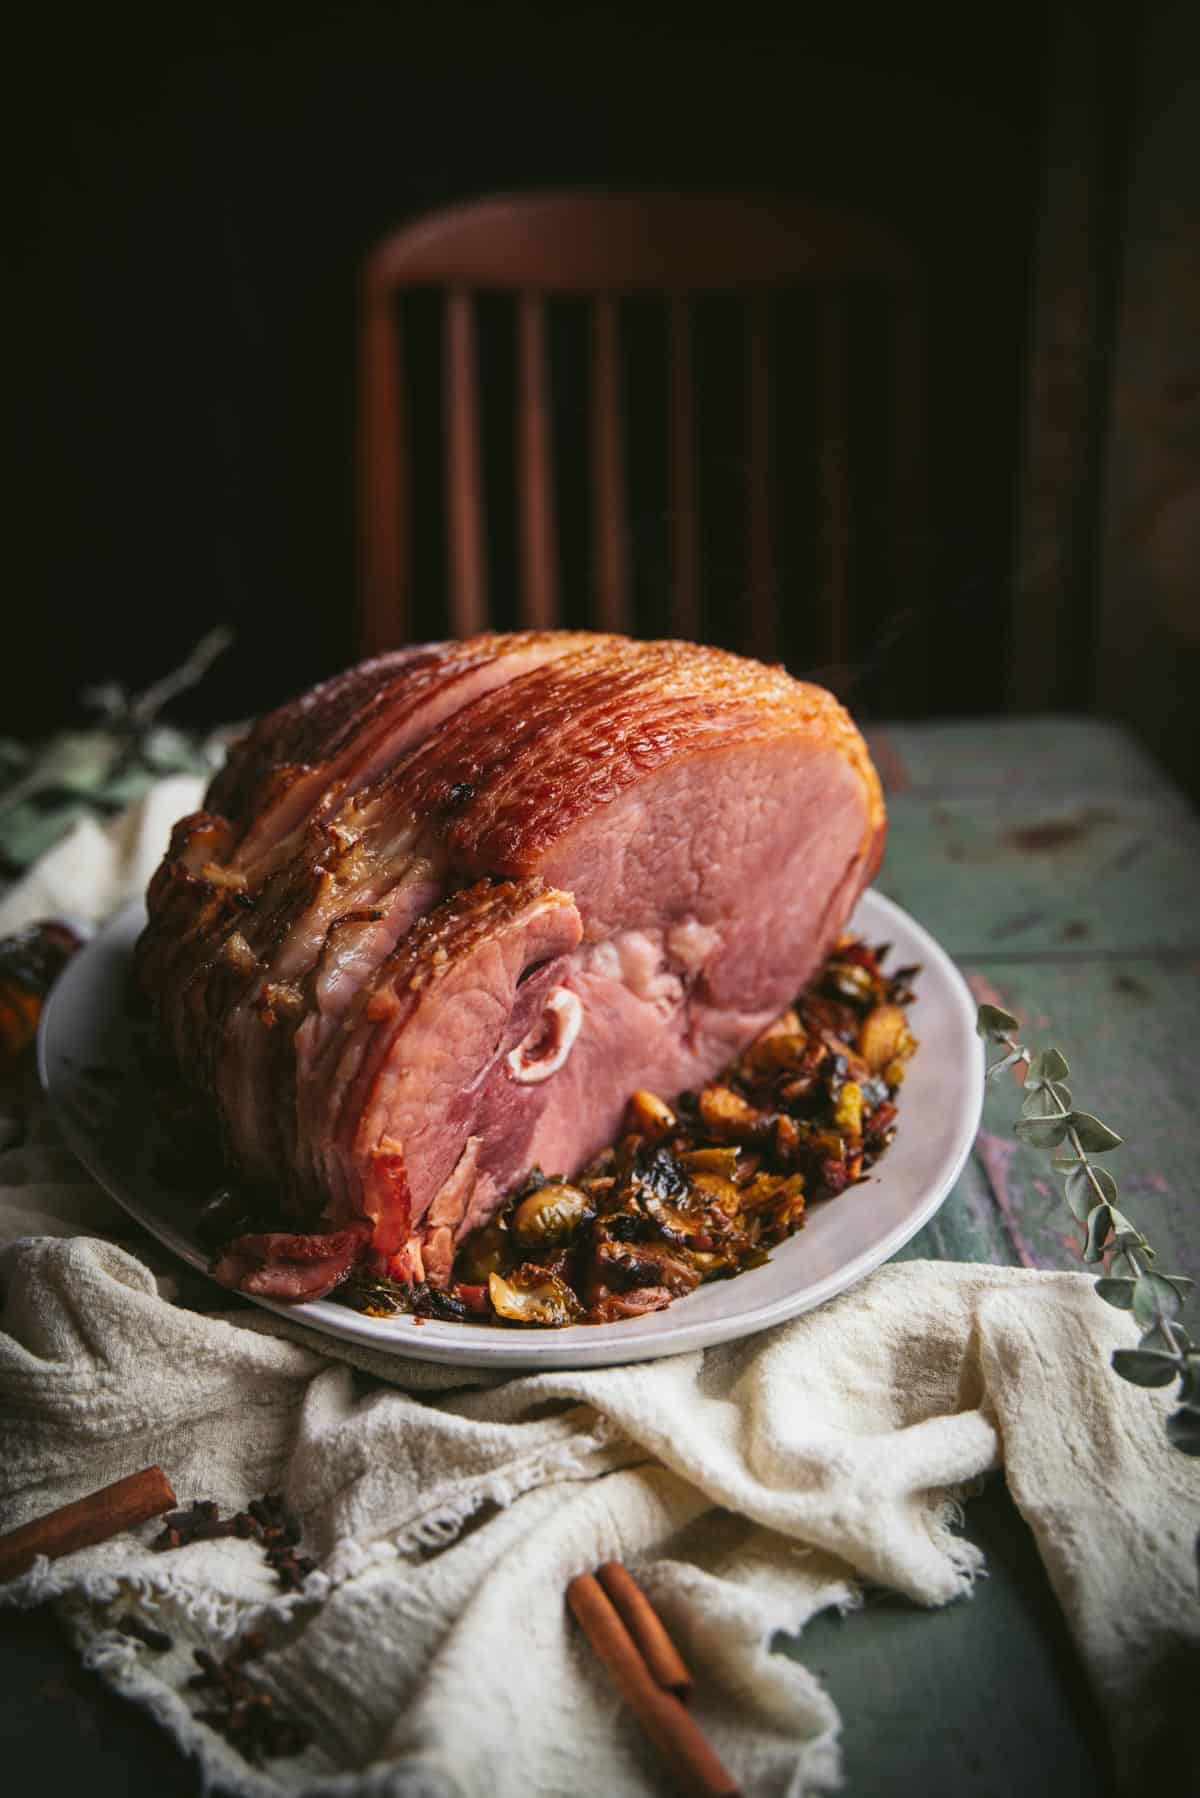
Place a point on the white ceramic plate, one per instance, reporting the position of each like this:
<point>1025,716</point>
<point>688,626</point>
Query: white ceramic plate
<point>109,1122</point>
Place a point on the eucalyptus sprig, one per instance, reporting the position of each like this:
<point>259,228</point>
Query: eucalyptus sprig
<point>98,769</point>
<point>1050,1121</point>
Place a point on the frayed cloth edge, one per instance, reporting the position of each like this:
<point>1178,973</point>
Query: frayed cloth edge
<point>217,1613</point>
<point>444,1522</point>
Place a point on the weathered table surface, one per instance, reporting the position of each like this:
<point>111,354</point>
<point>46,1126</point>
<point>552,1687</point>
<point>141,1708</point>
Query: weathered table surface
<point>1061,870</point>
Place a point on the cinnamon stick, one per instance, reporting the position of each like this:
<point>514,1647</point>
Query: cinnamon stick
<point>647,1629</point>
<point>121,1506</point>
<point>674,1732</point>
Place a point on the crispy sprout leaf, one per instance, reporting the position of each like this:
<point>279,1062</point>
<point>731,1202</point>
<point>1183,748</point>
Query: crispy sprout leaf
<point>532,1295</point>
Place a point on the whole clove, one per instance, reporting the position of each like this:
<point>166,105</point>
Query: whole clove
<point>240,1710</point>
<point>268,1519</point>
<point>275,1523</point>
<point>291,1569</point>
<point>200,1523</point>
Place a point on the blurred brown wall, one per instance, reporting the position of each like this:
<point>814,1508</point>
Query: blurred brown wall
<point>1148,587</point>
<point>1105,610</point>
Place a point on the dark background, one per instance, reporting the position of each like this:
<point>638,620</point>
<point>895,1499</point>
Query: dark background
<point>197,192</point>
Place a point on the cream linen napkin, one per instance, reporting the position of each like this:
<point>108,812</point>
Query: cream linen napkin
<point>751,1486</point>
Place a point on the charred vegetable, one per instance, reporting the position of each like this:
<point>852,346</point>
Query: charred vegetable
<point>551,1216</point>
<point>533,1295</point>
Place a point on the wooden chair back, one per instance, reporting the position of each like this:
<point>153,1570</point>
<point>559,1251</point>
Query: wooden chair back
<point>604,247</point>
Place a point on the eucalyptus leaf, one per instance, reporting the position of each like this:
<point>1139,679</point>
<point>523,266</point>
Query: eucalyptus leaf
<point>75,760</point>
<point>1124,1227</point>
<point>127,787</point>
<point>1116,1291</point>
<point>1009,1061</point>
<point>1190,1390</point>
<point>1183,1429</point>
<point>26,831</point>
<point>1099,1223</point>
<point>1094,1136</point>
<point>1154,1299</point>
<point>994,1021</point>
<point>1041,1133</point>
<point>1144,1367</point>
<point>1158,1342</point>
<point>1122,1267</point>
<point>1049,1064</point>
<point>1044,1102</point>
<point>1086,1186</point>
<point>170,751</point>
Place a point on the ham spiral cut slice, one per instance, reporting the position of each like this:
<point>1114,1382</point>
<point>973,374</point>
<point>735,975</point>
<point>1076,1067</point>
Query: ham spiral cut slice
<point>443,914</point>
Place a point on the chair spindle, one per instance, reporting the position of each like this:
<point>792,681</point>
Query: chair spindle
<point>682,479</point>
<point>608,467</point>
<point>535,464</point>
<point>760,564</point>
<point>833,475</point>
<point>384,497</point>
<point>464,491</point>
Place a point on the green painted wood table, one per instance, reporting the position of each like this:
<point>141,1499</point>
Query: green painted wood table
<point>1061,870</point>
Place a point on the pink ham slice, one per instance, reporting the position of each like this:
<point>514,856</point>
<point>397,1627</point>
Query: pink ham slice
<point>434,1029</point>
<point>608,867</point>
<point>289,1266</point>
<point>237,930</point>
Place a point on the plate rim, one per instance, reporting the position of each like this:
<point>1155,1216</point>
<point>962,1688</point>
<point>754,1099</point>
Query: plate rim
<point>483,1346</point>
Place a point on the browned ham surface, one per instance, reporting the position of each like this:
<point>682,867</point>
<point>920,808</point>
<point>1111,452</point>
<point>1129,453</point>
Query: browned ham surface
<point>443,914</point>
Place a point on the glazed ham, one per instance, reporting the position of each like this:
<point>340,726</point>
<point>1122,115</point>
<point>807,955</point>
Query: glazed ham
<point>443,914</point>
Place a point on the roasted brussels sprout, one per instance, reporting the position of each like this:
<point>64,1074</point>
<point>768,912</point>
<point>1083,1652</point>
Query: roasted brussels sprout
<point>531,1295</point>
<point>551,1215</point>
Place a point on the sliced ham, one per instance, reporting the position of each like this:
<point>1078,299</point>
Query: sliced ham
<point>537,873</point>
